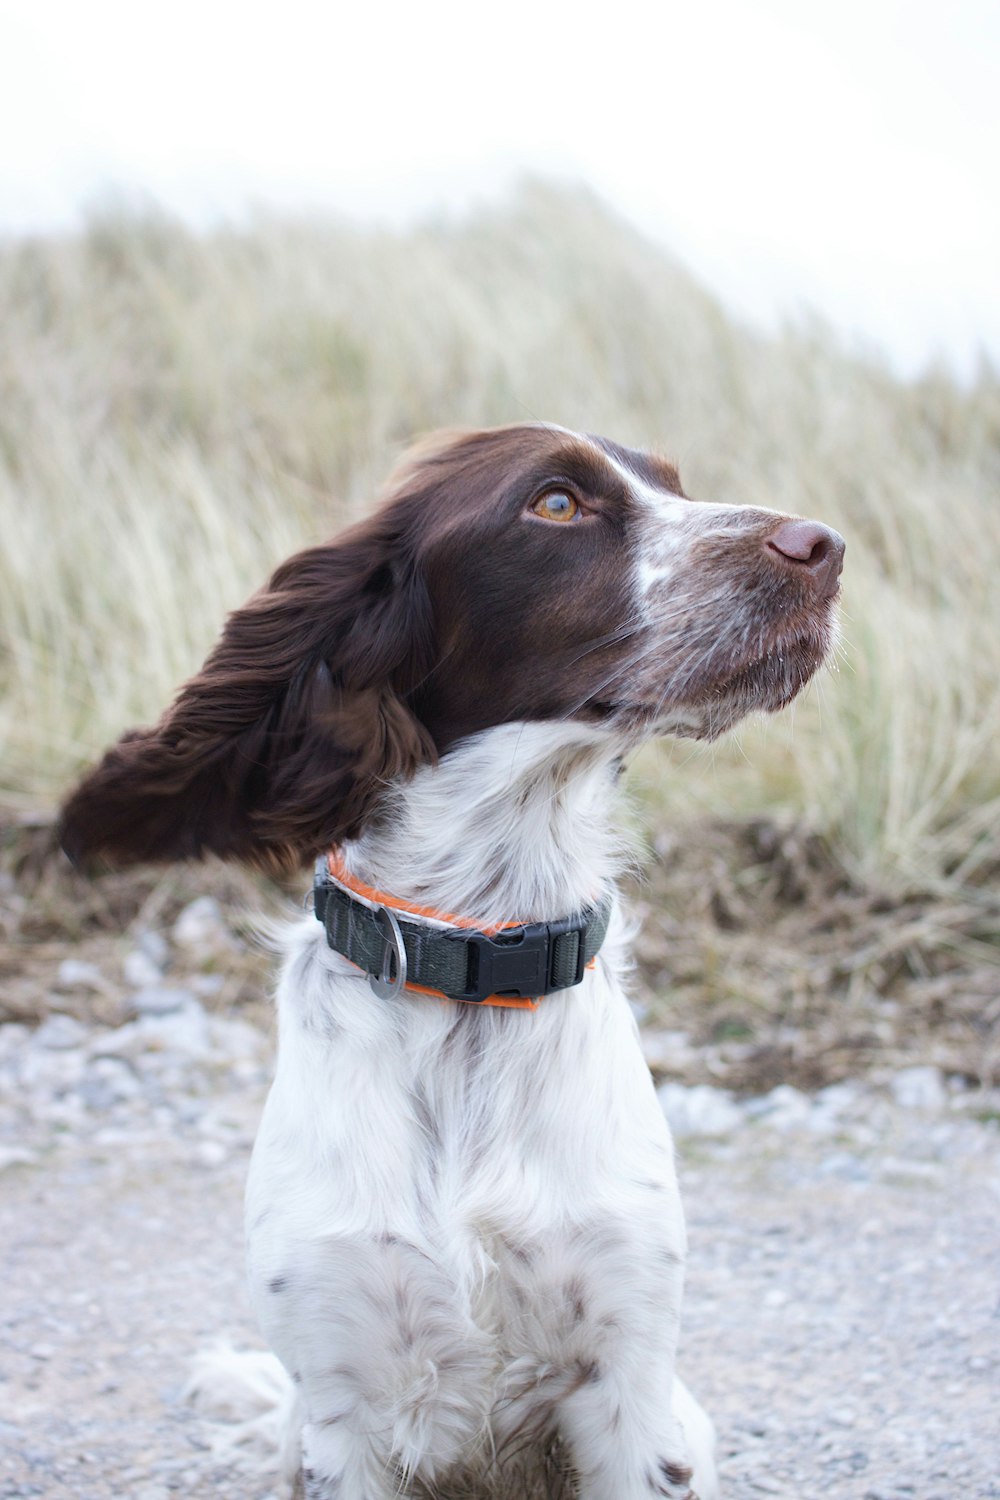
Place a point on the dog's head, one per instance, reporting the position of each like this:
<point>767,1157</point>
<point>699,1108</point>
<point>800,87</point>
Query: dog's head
<point>520,573</point>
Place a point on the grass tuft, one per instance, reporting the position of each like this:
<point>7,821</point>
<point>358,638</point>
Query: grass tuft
<point>179,411</point>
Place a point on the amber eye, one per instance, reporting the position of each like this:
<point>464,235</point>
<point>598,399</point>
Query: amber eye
<point>556,505</point>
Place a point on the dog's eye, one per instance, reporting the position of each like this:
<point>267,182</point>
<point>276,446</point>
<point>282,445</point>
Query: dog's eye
<point>556,505</point>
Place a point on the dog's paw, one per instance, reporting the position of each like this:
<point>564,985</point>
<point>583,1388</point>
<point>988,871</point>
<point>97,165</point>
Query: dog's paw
<point>672,1481</point>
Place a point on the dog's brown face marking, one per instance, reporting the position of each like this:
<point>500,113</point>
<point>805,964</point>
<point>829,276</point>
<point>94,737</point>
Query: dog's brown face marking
<point>522,573</point>
<point>645,609</point>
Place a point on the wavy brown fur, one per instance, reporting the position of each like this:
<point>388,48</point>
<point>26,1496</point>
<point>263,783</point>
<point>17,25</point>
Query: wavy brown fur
<point>324,685</point>
<point>279,745</point>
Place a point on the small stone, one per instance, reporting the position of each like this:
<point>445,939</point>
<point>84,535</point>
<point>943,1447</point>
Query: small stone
<point>151,1039</point>
<point>699,1110</point>
<point>207,984</point>
<point>832,1107</point>
<point>235,1038</point>
<point>162,1000</point>
<point>185,1030</point>
<point>784,1108</point>
<point>845,1165</point>
<point>77,974</point>
<point>200,927</point>
<point>904,1169</point>
<point>919,1088</point>
<point>844,1416</point>
<point>154,945</point>
<point>140,970</point>
<point>13,1036</point>
<point>117,1079</point>
<point>666,1051</point>
<point>210,1153</point>
<point>15,1156</point>
<point>60,1033</point>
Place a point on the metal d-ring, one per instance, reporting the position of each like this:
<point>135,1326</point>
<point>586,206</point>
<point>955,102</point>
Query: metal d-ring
<point>382,985</point>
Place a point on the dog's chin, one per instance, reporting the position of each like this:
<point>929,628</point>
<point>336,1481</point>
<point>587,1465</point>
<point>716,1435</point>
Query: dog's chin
<point>765,684</point>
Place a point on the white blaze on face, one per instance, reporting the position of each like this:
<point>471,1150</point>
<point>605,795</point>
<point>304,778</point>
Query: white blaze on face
<point>672,523</point>
<point>663,541</point>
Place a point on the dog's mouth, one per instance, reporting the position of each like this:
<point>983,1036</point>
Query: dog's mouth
<point>724,692</point>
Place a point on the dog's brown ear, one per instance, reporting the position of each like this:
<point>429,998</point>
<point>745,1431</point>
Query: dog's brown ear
<point>278,748</point>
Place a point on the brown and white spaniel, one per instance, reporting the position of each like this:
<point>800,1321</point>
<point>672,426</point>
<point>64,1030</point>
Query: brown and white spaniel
<point>466,1243</point>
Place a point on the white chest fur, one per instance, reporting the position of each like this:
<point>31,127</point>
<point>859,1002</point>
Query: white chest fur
<point>463,1222</point>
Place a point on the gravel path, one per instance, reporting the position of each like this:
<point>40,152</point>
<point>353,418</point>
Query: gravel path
<point>842,1321</point>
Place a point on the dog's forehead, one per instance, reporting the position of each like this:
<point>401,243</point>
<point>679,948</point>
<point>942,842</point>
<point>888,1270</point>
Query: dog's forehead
<point>485,474</point>
<point>600,464</point>
<point>649,469</point>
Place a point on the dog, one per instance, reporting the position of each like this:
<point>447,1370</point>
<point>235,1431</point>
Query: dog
<point>465,1240</point>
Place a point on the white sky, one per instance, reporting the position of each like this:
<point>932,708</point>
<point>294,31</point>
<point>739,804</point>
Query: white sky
<point>842,156</point>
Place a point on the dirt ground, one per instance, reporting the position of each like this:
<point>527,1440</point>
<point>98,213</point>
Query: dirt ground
<point>841,1323</point>
<point>842,1320</point>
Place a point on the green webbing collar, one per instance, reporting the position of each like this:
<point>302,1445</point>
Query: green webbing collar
<point>515,963</point>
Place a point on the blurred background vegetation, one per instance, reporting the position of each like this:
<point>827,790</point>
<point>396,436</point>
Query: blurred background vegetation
<point>179,411</point>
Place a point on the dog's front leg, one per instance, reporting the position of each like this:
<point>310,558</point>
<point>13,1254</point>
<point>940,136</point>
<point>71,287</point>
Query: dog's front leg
<point>394,1377</point>
<point>623,1439</point>
<point>593,1321</point>
<point>618,1421</point>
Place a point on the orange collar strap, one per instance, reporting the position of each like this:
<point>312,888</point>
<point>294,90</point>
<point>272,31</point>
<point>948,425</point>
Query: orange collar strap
<point>337,868</point>
<point>402,945</point>
<point>338,872</point>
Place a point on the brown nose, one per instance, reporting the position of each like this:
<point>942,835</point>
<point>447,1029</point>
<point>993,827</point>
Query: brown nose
<point>816,548</point>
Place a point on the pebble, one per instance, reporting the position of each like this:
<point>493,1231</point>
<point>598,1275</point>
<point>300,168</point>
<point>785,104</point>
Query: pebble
<point>784,1108</point>
<point>207,984</point>
<point>200,927</point>
<point>844,1416</point>
<point>904,1168</point>
<point>75,973</point>
<point>66,1081</point>
<point>699,1110</point>
<point>60,1033</point>
<point>139,969</point>
<point>15,1156</point>
<point>844,1165</point>
<point>666,1051</point>
<point>210,1153</point>
<point>160,1000</point>
<point>919,1088</point>
<point>154,945</point>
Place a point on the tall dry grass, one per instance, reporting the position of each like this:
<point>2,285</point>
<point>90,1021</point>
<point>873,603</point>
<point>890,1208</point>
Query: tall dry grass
<point>178,412</point>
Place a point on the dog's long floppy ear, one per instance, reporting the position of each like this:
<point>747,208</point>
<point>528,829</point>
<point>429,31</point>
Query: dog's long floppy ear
<point>278,748</point>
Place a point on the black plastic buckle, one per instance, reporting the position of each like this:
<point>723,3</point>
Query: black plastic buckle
<point>521,965</point>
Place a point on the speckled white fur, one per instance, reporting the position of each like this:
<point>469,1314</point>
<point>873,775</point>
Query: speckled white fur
<point>464,1223</point>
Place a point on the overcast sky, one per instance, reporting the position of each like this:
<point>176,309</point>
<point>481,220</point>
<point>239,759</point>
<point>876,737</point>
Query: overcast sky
<point>841,156</point>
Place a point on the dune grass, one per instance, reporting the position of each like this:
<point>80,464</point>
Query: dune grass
<point>178,412</point>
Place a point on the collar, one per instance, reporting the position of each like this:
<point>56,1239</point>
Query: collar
<point>510,966</point>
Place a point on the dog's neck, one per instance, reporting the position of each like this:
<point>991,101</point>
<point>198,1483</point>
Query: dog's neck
<point>513,825</point>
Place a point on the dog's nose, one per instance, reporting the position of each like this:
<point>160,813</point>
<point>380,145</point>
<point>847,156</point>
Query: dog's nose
<point>819,549</point>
